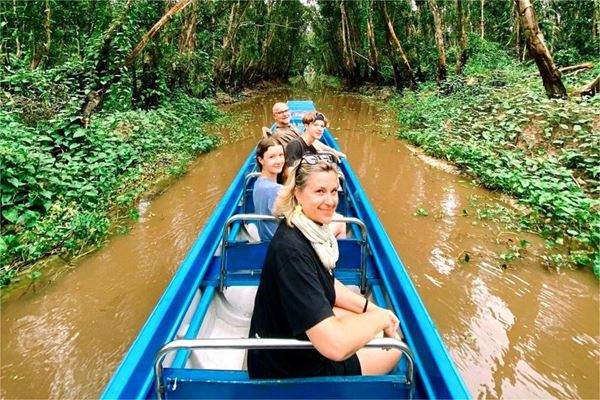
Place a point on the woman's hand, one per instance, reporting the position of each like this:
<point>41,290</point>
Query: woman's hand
<point>339,155</point>
<point>391,329</point>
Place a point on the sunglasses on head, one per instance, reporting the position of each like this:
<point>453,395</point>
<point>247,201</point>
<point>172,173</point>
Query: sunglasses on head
<point>313,159</point>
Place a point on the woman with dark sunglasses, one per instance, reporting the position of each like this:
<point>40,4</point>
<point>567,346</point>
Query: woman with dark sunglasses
<point>299,297</point>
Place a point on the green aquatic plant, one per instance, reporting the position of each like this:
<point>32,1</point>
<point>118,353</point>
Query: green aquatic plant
<point>545,153</point>
<point>421,212</point>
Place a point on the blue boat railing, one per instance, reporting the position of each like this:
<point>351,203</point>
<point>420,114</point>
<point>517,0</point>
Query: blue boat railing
<point>227,233</point>
<point>362,229</point>
<point>262,344</point>
<point>249,177</point>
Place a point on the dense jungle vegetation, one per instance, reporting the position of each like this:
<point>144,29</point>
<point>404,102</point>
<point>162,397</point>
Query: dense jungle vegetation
<point>98,99</point>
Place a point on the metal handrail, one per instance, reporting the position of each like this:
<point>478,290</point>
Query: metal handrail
<point>263,344</point>
<point>225,238</point>
<point>246,181</point>
<point>365,248</point>
<point>260,217</point>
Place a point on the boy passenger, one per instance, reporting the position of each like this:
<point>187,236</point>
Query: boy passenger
<point>285,132</point>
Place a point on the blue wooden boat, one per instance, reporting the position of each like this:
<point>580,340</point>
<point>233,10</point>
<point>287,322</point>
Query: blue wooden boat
<point>193,344</point>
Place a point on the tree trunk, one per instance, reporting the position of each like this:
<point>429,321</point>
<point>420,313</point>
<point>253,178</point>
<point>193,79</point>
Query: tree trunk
<point>227,39</point>
<point>462,59</point>
<point>596,19</point>
<point>182,4</point>
<point>48,29</point>
<point>393,38</point>
<point>578,67</point>
<point>439,40</point>
<point>41,53</point>
<point>354,38</point>
<point>17,40</point>
<point>392,57</point>
<point>469,17</point>
<point>187,42</point>
<point>374,57</point>
<point>135,94</point>
<point>95,96</point>
<point>235,51</point>
<point>481,21</point>
<point>149,78</point>
<point>266,44</point>
<point>291,49</point>
<point>348,52</point>
<point>589,89</point>
<point>538,50</point>
<point>225,65</point>
<point>517,29</point>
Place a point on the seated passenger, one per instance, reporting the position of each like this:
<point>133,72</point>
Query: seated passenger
<point>299,297</point>
<point>270,161</point>
<point>314,126</point>
<point>285,132</point>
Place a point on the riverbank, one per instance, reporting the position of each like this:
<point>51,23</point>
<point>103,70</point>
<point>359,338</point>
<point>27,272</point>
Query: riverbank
<point>497,126</point>
<point>65,190</point>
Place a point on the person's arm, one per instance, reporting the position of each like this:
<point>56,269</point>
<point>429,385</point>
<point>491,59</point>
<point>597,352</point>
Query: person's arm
<point>337,338</point>
<point>352,301</point>
<point>266,132</point>
<point>349,300</point>
<point>323,148</point>
<point>308,310</point>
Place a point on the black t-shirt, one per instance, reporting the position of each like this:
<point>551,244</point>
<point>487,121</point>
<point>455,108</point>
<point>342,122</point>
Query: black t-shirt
<point>295,293</point>
<point>296,149</point>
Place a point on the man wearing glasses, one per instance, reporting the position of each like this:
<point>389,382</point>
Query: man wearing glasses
<point>285,132</point>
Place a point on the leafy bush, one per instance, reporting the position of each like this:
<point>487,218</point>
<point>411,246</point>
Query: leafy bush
<point>59,185</point>
<point>566,57</point>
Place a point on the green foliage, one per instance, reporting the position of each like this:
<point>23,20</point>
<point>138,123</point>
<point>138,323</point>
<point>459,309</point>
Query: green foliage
<point>421,212</point>
<point>59,185</point>
<point>544,152</point>
<point>486,56</point>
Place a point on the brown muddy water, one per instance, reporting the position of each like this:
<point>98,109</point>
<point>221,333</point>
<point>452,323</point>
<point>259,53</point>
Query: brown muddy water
<point>520,331</point>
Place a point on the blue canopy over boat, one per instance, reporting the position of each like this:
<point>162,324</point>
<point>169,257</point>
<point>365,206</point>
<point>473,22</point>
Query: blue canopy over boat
<point>219,260</point>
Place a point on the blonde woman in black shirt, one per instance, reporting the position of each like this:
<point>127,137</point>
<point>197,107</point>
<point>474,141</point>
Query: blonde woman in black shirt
<point>299,297</point>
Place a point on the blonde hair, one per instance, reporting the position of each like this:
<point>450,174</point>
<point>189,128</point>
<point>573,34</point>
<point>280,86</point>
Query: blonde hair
<point>286,202</point>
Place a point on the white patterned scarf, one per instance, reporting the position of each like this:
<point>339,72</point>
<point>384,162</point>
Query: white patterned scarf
<point>321,238</point>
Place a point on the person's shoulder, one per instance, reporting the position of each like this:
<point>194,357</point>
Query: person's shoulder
<point>266,184</point>
<point>287,237</point>
<point>280,129</point>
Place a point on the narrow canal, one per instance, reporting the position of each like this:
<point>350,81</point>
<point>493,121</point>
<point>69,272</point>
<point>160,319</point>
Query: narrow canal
<point>518,331</point>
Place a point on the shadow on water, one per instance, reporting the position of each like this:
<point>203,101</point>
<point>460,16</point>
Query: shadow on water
<point>519,332</point>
